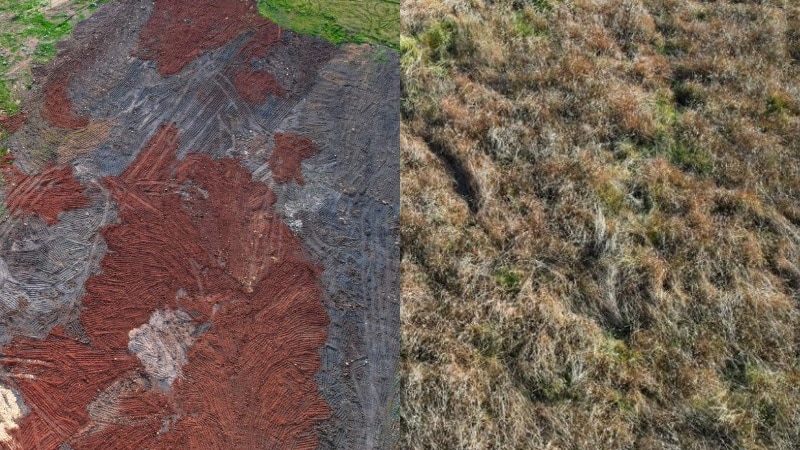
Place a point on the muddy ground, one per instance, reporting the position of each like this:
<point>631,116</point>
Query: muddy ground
<point>200,243</point>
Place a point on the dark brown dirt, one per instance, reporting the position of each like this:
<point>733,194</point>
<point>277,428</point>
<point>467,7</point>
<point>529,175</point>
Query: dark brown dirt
<point>212,246</point>
<point>46,194</point>
<point>290,150</point>
<point>10,124</point>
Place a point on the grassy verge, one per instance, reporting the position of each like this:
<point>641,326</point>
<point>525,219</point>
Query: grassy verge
<point>376,21</point>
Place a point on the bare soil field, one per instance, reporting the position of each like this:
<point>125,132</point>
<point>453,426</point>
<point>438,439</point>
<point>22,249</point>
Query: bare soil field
<point>199,246</point>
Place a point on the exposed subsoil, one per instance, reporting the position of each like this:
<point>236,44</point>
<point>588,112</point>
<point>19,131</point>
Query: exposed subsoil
<point>57,106</point>
<point>45,194</point>
<point>290,150</point>
<point>166,284</point>
<point>180,31</point>
<point>255,85</point>
<point>12,123</point>
<point>212,246</point>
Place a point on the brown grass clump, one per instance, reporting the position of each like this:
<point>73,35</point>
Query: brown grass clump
<point>601,224</point>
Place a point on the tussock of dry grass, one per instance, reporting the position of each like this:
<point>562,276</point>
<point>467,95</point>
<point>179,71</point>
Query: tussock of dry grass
<point>627,271</point>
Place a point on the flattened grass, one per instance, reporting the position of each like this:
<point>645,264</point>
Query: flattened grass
<point>630,278</point>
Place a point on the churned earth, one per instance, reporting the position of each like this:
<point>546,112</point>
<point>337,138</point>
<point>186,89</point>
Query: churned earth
<point>199,246</point>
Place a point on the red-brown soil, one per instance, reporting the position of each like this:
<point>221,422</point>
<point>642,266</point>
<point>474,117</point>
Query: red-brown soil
<point>12,123</point>
<point>45,194</point>
<point>199,235</point>
<point>254,85</point>
<point>180,31</point>
<point>267,35</point>
<point>290,150</point>
<point>58,378</point>
<point>146,411</point>
<point>57,109</point>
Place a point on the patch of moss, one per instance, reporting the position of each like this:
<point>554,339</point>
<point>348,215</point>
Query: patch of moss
<point>690,157</point>
<point>528,23</point>
<point>611,196</point>
<point>619,350</point>
<point>781,104</point>
<point>671,142</point>
<point>510,280</point>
